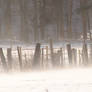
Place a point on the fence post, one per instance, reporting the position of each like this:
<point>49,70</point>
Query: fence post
<point>36,59</point>
<point>20,57</point>
<point>85,54</point>
<point>9,57</point>
<point>74,56</point>
<point>69,53</point>
<point>61,57</point>
<point>51,52</point>
<point>3,60</point>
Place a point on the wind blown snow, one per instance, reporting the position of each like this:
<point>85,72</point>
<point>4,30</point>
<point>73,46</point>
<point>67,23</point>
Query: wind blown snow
<point>68,80</point>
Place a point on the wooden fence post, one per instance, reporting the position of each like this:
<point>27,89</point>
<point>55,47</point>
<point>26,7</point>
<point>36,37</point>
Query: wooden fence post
<point>74,56</point>
<point>64,56</point>
<point>9,57</point>
<point>80,61</point>
<point>42,61</point>
<point>69,53</point>
<point>46,57</point>
<point>36,59</point>
<point>46,53</point>
<point>20,57</point>
<point>85,54</point>
<point>26,63</point>
<point>91,53</point>
<point>61,57</point>
<point>3,60</point>
<point>51,52</point>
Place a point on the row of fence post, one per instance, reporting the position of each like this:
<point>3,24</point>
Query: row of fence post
<point>44,57</point>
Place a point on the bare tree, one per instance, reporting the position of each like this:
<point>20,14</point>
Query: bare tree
<point>84,18</point>
<point>42,5</point>
<point>70,3</point>
<point>7,18</point>
<point>24,21</point>
<point>0,19</point>
<point>35,20</point>
<point>60,18</point>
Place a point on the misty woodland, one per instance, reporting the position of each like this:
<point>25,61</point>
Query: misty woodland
<point>45,34</point>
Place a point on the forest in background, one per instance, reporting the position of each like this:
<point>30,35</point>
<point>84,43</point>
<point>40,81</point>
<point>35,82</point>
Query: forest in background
<point>40,20</point>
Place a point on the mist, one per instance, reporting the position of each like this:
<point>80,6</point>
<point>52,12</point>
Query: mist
<point>45,46</point>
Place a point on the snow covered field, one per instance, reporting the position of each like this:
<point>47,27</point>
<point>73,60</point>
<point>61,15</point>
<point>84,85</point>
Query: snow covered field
<point>68,80</point>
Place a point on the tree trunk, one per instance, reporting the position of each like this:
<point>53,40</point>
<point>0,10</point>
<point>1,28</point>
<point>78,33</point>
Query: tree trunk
<point>36,38</point>
<point>84,18</point>
<point>42,19</point>
<point>70,19</point>
<point>7,19</point>
<point>60,20</point>
<point>24,21</point>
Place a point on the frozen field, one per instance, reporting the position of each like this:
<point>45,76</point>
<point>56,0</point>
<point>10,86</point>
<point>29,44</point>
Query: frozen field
<point>68,80</point>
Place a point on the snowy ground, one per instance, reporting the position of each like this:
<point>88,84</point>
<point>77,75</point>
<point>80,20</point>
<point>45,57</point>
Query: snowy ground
<point>68,80</point>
